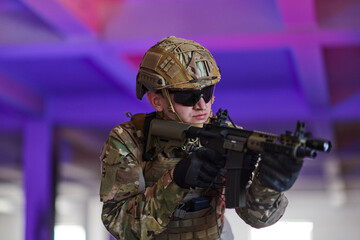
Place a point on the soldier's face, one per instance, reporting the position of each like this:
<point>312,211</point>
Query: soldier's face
<point>196,114</point>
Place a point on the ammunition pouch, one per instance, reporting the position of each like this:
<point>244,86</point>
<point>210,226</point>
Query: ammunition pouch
<point>193,221</point>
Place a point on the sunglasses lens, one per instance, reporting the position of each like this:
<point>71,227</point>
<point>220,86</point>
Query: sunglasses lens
<point>185,99</point>
<point>208,93</point>
<point>191,97</point>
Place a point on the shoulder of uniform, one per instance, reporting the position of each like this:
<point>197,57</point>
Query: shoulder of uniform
<point>124,138</point>
<point>138,120</point>
<point>133,128</point>
<point>121,131</point>
<point>136,123</point>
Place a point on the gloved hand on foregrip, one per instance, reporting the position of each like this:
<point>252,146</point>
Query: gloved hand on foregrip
<point>199,169</point>
<point>279,172</point>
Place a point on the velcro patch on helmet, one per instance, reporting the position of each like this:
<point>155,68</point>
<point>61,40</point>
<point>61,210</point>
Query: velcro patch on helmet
<point>151,60</point>
<point>170,67</point>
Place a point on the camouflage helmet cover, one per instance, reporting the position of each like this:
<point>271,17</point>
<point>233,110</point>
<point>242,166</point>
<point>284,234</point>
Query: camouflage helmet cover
<point>176,63</point>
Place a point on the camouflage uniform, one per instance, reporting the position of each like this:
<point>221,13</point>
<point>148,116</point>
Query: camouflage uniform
<point>141,200</point>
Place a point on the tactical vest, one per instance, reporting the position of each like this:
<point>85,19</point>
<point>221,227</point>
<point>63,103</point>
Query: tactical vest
<point>192,219</point>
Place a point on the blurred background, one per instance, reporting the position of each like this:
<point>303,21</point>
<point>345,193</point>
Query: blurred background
<point>67,77</point>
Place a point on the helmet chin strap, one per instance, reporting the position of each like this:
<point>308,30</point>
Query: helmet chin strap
<point>171,109</point>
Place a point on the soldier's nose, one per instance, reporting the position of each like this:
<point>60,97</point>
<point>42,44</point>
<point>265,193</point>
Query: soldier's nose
<point>201,104</point>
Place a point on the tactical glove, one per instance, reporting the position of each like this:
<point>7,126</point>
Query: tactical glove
<point>279,172</point>
<point>199,169</point>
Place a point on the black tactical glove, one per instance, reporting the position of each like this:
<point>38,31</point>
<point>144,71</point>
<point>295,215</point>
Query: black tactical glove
<point>199,169</point>
<point>279,172</point>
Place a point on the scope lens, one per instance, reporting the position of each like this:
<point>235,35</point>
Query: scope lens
<point>326,146</point>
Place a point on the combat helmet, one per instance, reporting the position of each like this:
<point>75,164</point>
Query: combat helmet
<point>175,64</point>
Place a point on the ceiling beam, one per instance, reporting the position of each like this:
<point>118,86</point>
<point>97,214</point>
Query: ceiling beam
<point>297,13</point>
<point>348,108</point>
<point>59,17</point>
<point>274,105</point>
<point>234,42</point>
<point>122,74</point>
<point>280,39</point>
<point>280,105</point>
<point>19,97</point>
<point>120,71</point>
<point>308,56</point>
<point>248,41</point>
<point>311,72</point>
<point>46,50</point>
<point>241,15</point>
<point>93,110</point>
<point>8,5</point>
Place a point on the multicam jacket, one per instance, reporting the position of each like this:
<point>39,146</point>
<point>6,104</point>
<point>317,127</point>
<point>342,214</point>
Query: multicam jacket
<point>141,200</point>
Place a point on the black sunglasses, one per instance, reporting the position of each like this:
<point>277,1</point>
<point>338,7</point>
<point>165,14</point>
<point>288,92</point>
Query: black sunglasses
<point>191,97</point>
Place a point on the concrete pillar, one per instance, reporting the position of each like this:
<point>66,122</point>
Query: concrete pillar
<point>38,180</point>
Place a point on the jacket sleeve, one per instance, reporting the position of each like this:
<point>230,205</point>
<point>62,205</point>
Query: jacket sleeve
<point>131,210</point>
<point>264,206</point>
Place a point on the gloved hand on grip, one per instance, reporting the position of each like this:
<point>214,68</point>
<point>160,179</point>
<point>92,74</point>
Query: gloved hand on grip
<point>199,169</point>
<point>279,172</point>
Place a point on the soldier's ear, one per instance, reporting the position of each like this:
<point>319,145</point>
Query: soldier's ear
<point>156,100</point>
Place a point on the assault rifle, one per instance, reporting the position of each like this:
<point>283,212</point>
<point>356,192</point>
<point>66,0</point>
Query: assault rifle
<point>233,143</point>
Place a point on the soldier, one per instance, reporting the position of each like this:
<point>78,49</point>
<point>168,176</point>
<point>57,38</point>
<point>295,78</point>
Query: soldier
<point>177,193</point>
